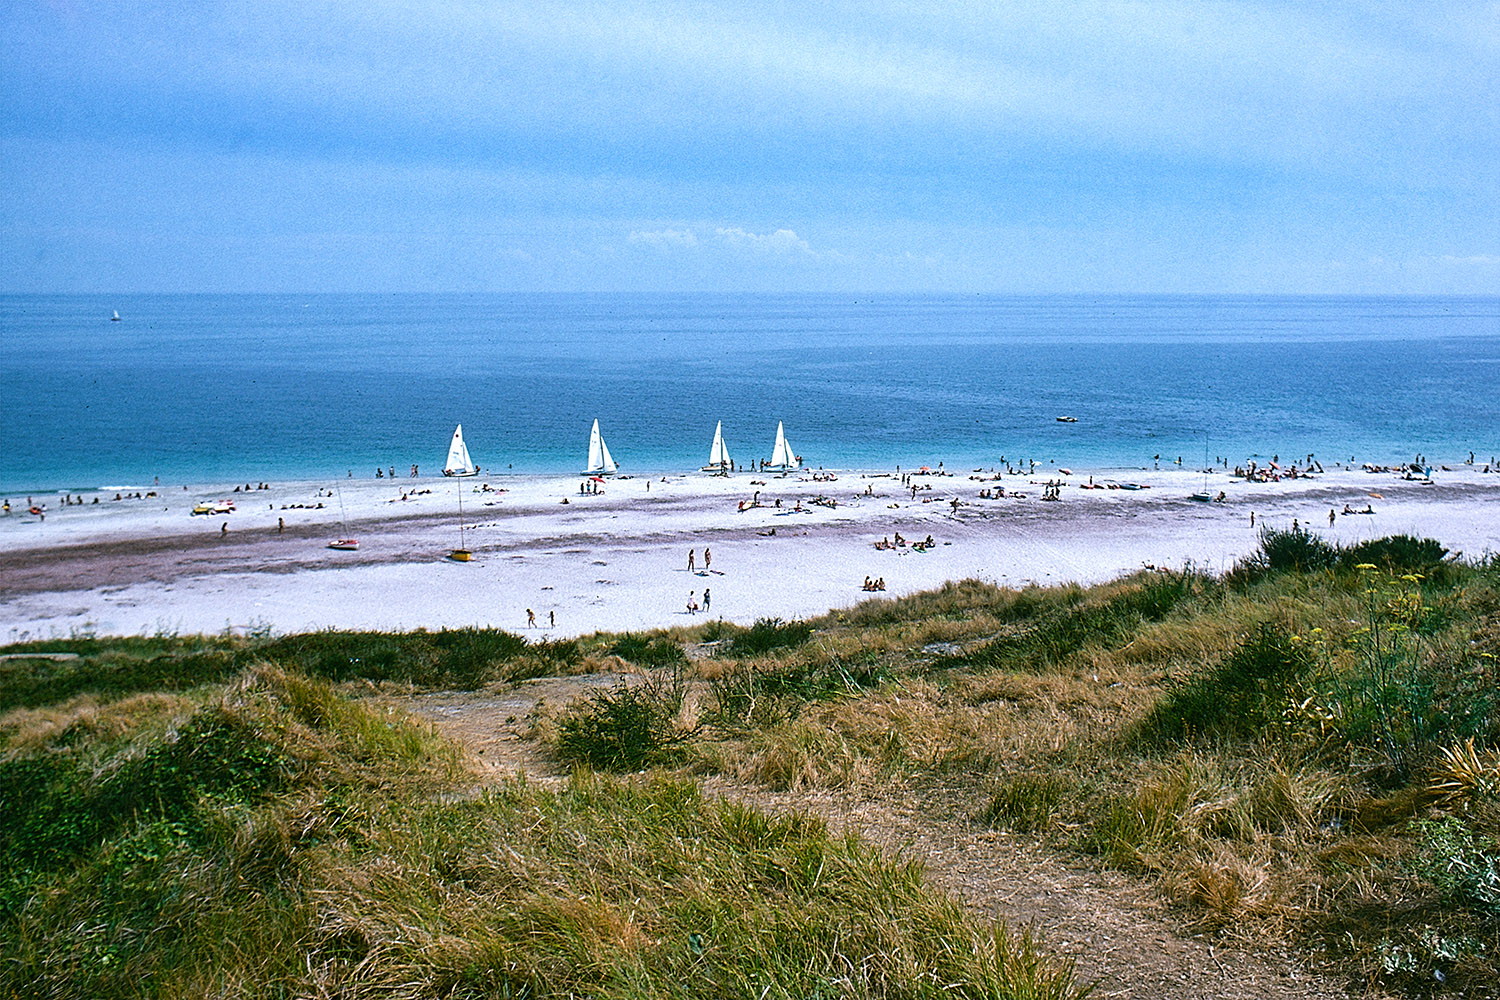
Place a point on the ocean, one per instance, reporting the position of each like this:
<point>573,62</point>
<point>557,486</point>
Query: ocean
<point>230,388</point>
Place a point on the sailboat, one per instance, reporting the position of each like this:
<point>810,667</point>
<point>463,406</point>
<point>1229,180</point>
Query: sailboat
<point>116,317</point>
<point>459,463</point>
<point>1204,496</point>
<point>462,553</point>
<point>344,544</point>
<point>781,455</point>
<point>600,462</point>
<point>718,456</point>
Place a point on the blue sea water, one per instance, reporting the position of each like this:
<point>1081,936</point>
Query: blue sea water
<point>225,388</point>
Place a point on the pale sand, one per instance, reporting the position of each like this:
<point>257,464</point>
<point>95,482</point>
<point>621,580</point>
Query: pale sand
<point>619,561</point>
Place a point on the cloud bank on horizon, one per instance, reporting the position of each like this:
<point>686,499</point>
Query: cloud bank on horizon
<point>1168,146</point>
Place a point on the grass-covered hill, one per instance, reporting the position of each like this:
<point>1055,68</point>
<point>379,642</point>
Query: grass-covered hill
<point>1303,752</point>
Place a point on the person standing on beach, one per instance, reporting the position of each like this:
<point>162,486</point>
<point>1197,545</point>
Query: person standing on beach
<point>706,598</point>
<point>690,560</point>
<point>708,558</point>
<point>530,618</point>
<point>552,619</point>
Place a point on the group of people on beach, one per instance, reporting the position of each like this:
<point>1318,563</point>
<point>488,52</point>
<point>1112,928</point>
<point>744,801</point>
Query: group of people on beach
<point>877,584</point>
<point>1274,473</point>
<point>886,544</point>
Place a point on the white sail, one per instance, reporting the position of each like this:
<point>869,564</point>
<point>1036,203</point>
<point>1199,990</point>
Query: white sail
<point>459,463</point>
<point>718,456</point>
<point>782,456</point>
<point>600,460</point>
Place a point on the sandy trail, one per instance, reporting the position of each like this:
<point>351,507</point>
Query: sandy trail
<point>1119,936</point>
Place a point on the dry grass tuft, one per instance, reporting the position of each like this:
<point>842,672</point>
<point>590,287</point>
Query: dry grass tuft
<point>1463,774</point>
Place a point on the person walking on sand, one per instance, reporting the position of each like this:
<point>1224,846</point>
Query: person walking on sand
<point>530,618</point>
<point>690,560</point>
<point>552,619</point>
<point>706,598</point>
<point>1331,516</point>
<point>708,558</point>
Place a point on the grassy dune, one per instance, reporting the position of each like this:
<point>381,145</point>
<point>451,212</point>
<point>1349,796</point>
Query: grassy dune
<point>1303,751</point>
<point>273,836</point>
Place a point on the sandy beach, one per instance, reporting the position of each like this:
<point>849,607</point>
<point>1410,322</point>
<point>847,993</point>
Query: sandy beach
<point>618,560</point>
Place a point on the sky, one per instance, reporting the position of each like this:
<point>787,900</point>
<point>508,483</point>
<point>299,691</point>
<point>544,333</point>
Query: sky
<point>994,147</point>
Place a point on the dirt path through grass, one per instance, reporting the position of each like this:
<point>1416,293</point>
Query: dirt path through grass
<point>1117,933</point>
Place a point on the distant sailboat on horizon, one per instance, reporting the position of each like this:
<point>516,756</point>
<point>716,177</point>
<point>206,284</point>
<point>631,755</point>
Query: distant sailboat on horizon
<point>459,463</point>
<point>718,456</point>
<point>782,456</point>
<point>601,463</point>
<point>116,317</point>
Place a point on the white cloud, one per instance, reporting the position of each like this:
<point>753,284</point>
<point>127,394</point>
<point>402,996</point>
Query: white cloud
<point>782,241</point>
<point>665,239</point>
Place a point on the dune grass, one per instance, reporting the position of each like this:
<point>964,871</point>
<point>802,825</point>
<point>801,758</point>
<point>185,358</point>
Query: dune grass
<point>272,836</point>
<point>109,668</point>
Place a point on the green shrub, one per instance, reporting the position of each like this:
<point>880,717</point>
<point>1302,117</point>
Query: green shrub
<point>1238,697</point>
<point>768,634</point>
<point>462,659</point>
<point>1395,554</point>
<point>114,668</point>
<point>1406,693</point>
<point>758,696</point>
<point>627,728</point>
<point>1463,866</point>
<point>1297,549</point>
<point>656,651</point>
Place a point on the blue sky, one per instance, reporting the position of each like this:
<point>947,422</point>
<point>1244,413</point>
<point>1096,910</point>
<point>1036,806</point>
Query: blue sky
<point>991,147</point>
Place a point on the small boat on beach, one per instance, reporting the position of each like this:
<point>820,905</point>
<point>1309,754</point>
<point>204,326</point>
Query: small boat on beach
<point>1203,495</point>
<point>462,553</point>
<point>459,463</point>
<point>782,456</point>
<point>601,463</point>
<point>344,544</point>
<point>718,456</point>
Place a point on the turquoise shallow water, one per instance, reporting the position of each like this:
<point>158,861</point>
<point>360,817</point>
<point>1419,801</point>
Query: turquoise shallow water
<point>214,388</point>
